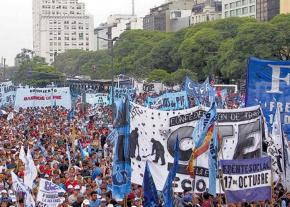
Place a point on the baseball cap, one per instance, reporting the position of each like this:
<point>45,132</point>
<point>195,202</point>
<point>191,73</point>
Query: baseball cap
<point>70,187</point>
<point>77,187</point>
<point>86,202</point>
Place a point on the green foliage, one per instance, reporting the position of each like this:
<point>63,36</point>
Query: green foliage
<point>217,48</point>
<point>36,72</point>
<point>170,79</point>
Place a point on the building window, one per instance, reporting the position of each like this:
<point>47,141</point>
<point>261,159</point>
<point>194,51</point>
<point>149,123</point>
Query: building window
<point>252,1</point>
<point>239,12</point>
<point>226,14</point>
<point>244,2</point>
<point>245,10</point>
<point>81,36</point>
<point>252,9</point>
<point>238,3</point>
<point>232,5</point>
<point>233,13</point>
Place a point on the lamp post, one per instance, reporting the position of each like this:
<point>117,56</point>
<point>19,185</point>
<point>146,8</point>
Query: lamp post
<point>111,45</point>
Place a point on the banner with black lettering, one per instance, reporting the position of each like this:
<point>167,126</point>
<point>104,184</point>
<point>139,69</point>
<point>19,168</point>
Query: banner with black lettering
<point>96,99</point>
<point>7,94</point>
<point>247,180</point>
<point>43,97</point>
<point>153,135</point>
<point>49,193</point>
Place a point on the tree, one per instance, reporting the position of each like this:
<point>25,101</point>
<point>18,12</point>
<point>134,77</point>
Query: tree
<point>158,75</point>
<point>36,72</point>
<point>281,22</point>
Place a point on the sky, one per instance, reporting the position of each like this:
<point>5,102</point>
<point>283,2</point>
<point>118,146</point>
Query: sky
<point>16,20</point>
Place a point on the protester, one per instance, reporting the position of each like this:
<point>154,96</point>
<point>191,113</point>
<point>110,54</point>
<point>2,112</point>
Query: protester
<point>72,151</point>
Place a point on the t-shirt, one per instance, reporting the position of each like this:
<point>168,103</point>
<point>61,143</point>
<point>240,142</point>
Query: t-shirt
<point>97,172</point>
<point>95,203</point>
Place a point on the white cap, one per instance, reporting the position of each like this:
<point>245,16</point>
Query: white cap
<point>4,191</point>
<point>86,202</point>
<point>70,187</point>
<point>77,187</point>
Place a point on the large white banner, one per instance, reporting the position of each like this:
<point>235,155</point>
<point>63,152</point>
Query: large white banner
<point>7,94</point>
<point>43,97</point>
<point>154,132</point>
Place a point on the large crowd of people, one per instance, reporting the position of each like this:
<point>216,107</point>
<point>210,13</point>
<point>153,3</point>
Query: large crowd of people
<point>49,132</point>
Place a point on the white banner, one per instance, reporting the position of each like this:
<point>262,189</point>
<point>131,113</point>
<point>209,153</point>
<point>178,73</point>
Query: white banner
<point>7,94</point>
<point>97,99</point>
<point>153,135</point>
<point>48,193</point>
<point>43,97</point>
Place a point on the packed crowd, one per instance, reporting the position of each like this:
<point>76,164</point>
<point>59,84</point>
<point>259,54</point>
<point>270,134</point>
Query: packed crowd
<point>87,181</point>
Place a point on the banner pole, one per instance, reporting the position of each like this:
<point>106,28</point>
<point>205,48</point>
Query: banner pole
<point>220,172</point>
<point>125,201</point>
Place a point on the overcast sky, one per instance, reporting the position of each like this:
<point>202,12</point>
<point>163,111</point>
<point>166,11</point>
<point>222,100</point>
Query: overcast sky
<point>16,20</point>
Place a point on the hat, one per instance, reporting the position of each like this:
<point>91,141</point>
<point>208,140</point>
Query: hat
<point>77,187</point>
<point>110,205</point>
<point>103,199</point>
<point>4,191</point>
<point>70,187</point>
<point>86,202</point>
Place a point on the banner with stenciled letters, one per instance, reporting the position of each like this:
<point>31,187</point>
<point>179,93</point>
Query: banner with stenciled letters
<point>96,99</point>
<point>153,135</point>
<point>247,180</point>
<point>7,93</point>
<point>168,101</point>
<point>122,93</point>
<point>268,84</point>
<point>43,97</point>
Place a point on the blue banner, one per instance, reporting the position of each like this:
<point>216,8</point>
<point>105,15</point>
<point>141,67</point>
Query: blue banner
<point>168,101</point>
<point>167,191</point>
<point>121,173</point>
<point>122,93</point>
<point>268,82</point>
<point>199,91</point>
<point>150,192</point>
<point>247,180</point>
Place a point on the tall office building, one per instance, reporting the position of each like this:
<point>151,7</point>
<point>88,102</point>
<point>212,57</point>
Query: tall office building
<point>59,25</point>
<point>267,9</point>
<point>238,8</point>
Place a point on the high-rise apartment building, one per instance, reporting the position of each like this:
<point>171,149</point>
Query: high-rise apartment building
<point>59,25</point>
<point>238,8</point>
<point>169,17</point>
<point>267,9</point>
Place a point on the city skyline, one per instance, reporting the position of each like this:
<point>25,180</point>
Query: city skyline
<point>16,20</point>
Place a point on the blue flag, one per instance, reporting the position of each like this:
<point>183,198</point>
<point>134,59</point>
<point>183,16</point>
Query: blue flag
<point>150,192</point>
<point>200,92</point>
<point>167,189</point>
<point>212,162</point>
<point>199,132</point>
<point>121,172</point>
<point>84,154</point>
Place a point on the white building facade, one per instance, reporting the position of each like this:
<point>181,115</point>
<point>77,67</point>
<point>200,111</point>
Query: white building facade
<point>239,8</point>
<point>60,25</point>
<point>116,24</point>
